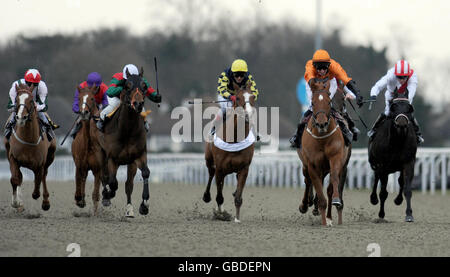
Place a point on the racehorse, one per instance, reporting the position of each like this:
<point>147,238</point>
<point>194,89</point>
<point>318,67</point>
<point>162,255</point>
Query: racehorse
<point>29,147</point>
<point>86,151</point>
<point>393,148</point>
<point>124,143</point>
<point>223,162</point>
<point>323,152</point>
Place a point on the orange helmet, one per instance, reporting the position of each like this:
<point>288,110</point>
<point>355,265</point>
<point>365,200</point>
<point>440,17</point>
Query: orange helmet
<point>321,56</point>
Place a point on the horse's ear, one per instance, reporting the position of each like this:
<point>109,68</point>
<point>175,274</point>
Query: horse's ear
<point>141,72</point>
<point>127,72</point>
<point>79,88</point>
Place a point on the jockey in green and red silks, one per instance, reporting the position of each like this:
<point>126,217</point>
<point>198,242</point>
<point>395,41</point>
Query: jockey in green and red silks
<point>116,87</point>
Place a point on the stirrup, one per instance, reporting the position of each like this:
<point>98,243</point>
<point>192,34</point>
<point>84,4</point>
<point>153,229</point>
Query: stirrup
<point>370,133</point>
<point>100,124</point>
<point>420,139</point>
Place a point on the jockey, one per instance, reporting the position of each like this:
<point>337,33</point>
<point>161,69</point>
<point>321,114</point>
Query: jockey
<point>238,73</point>
<point>115,88</point>
<point>399,81</point>
<point>322,66</point>
<point>32,77</point>
<point>93,79</point>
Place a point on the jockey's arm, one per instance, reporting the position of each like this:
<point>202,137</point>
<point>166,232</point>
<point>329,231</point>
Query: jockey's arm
<point>253,88</point>
<point>151,93</point>
<point>42,97</point>
<point>75,105</point>
<point>103,89</point>
<point>412,86</point>
<point>222,88</point>
<point>12,96</point>
<point>379,86</point>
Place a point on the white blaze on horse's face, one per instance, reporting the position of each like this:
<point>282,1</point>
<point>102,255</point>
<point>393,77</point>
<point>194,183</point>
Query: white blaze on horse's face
<point>320,97</point>
<point>83,107</point>
<point>248,107</point>
<point>20,119</point>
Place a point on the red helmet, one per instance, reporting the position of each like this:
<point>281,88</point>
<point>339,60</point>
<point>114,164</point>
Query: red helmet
<point>402,68</point>
<point>33,76</point>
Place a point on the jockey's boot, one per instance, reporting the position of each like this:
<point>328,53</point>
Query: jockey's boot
<point>50,132</point>
<point>352,126</point>
<point>416,129</point>
<point>377,123</point>
<point>347,134</point>
<point>296,139</point>
<point>8,127</point>
<point>76,129</point>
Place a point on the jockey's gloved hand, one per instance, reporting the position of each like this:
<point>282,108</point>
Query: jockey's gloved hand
<point>359,100</point>
<point>157,98</point>
<point>13,108</point>
<point>373,98</point>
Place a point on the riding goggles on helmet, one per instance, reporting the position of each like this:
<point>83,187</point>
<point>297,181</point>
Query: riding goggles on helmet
<point>321,65</point>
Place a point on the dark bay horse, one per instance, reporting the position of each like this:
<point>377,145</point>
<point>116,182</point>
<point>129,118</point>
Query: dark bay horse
<point>124,143</point>
<point>86,151</point>
<point>393,148</point>
<point>29,148</point>
<point>323,152</point>
<point>236,129</point>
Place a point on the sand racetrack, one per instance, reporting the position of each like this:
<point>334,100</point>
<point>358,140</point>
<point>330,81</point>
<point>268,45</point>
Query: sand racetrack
<point>181,224</point>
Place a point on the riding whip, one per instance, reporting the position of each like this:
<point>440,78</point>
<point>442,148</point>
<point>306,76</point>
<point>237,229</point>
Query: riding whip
<point>157,87</point>
<point>70,130</point>
<point>351,104</point>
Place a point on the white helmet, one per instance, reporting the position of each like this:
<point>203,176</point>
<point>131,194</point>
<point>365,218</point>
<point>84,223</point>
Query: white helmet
<point>132,69</point>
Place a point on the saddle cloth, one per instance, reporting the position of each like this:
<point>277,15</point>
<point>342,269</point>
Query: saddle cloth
<point>234,147</point>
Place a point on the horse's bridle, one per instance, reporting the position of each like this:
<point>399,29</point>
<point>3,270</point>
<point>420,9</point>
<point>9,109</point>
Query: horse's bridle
<point>401,114</point>
<point>30,111</point>
<point>314,116</point>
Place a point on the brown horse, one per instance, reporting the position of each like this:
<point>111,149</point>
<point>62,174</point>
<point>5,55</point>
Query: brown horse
<point>86,151</point>
<point>323,151</point>
<point>124,142</point>
<point>221,162</point>
<point>29,148</point>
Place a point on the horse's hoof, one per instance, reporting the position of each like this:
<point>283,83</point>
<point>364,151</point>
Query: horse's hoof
<point>106,202</point>
<point>45,206</point>
<point>329,222</point>
<point>409,218</point>
<point>236,220</point>
<point>398,201</point>
<point>374,199</point>
<point>381,214</point>
<point>35,195</point>
<point>207,197</point>
<point>303,208</point>
<point>129,213</point>
<point>143,210</point>
<point>81,203</point>
<point>336,202</point>
<point>315,212</point>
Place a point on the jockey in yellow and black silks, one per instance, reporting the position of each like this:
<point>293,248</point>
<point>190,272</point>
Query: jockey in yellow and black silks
<point>238,73</point>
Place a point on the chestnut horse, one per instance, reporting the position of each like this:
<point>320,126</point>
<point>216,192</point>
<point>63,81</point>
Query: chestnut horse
<point>29,147</point>
<point>221,162</point>
<point>124,142</point>
<point>323,151</point>
<point>86,151</point>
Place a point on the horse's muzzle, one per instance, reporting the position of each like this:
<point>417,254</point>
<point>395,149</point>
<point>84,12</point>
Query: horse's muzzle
<point>85,115</point>
<point>138,106</point>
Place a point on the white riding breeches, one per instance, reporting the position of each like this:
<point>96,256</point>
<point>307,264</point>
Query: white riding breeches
<point>113,102</point>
